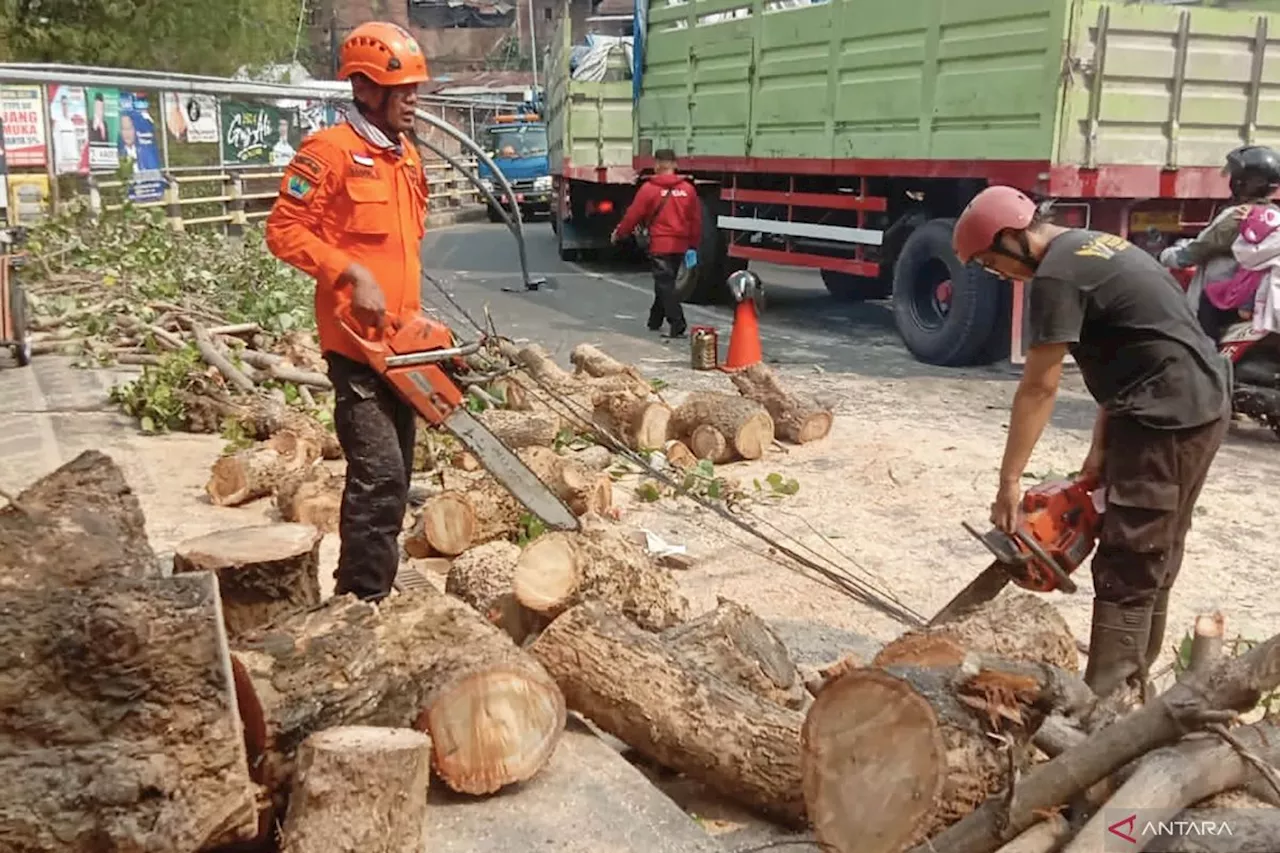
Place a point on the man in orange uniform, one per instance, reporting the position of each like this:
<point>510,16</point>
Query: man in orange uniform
<point>351,213</point>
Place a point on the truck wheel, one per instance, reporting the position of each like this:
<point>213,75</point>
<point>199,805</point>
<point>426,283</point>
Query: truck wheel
<point>714,264</point>
<point>945,312</point>
<point>854,288</point>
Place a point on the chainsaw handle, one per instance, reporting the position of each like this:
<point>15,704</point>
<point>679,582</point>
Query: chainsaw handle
<point>1064,581</point>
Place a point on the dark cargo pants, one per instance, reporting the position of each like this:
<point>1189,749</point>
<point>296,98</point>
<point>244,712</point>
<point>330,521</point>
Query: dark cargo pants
<point>376,430</point>
<point>666,304</point>
<point>1153,478</point>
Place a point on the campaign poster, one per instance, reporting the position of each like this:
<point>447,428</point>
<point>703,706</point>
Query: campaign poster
<point>4,183</point>
<point>103,106</point>
<point>22,111</point>
<point>28,198</point>
<point>191,118</point>
<point>258,134</point>
<point>69,129</point>
<point>138,146</point>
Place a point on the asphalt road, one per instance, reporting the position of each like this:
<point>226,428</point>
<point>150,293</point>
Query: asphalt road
<point>608,303</point>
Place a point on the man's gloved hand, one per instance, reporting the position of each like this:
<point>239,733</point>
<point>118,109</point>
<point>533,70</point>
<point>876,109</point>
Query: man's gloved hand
<point>691,258</point>
<point>1169,257</point>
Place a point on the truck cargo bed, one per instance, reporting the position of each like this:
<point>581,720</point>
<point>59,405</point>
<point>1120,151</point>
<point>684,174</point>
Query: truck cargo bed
<point>946,87</point>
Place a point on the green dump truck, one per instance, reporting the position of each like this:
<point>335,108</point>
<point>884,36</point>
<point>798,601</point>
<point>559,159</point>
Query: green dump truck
<point>846,135</point>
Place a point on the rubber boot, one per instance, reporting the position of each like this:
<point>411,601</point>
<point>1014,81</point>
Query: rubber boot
<point>1116,646</point>
<point>1159,618</point>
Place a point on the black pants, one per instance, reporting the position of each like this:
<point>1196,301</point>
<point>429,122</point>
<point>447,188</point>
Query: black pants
<point>1214,320</point>
<point>1153,478</point>
<point>666,305</point>
<point>376,430</point>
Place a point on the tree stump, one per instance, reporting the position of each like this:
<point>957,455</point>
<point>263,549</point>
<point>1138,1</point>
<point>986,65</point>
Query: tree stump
<point>1017,626</point>
<point>521,429</point>
<point>745,424</point>
<point>121,728</point>
<point>482,578</point>
<point>631,685</point>
<point>74,526</point>
<point>797,418</point>
<point>582,490</point>
<point>360,788</point>
<point>263,572</point>
<point>420,659</point>
<point>311,496</point>
<point>641,424</point>
<point>558,570</point>
<point>893,755</point>
<point>736,645</point>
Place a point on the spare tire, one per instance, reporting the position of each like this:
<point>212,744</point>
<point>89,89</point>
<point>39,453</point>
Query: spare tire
<point>945,312</point>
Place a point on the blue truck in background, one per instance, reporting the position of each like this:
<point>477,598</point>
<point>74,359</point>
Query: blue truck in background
<point>518,145</point>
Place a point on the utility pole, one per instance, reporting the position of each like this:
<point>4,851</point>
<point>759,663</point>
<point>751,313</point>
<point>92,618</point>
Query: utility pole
<point>533,48</point>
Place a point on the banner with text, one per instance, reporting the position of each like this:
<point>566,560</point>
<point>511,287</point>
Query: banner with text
<point>138,145</point>
<point>258,134</point>
<point>191,118</point>
<point>103,108</point>
<point>22,111</point>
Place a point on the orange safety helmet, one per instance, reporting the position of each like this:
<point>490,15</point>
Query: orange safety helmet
<point>990,212</point>
<point>383,52</point>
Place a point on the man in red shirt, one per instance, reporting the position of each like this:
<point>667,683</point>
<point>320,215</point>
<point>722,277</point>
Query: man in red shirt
<point>668,206</point>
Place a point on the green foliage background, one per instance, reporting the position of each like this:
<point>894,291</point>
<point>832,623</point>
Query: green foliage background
<point>188,36</point>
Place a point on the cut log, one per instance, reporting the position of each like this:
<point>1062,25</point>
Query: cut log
<point>259,416</point>
<point>1044,837</point>
<point>593,362</point>
<point>745,424</point>
<point>482,578</point>
<point>595,457</point>
<point>1233,685</point>
<point>446,526</point>
<point>1206,641</point>
<point>121,729</point>
<point>635,688</point>
<point>707,442</point>
<point>540,366</point>
<point>360,788</point>
<point>821,676</point>
<point>74,526</point>
<point>420,659</point>
<point>256,471</point>
<point>797,418</point>
<point>264,572</point>
<point>511,392</point>
<point>931,745</point>
<point>1017,626</point>
<point>1176,777</point>
<point>735,644</point>
<point>521,429</point>
<point>312,496</point>
<point>641,424</point>
<point>558,570</point>
<point>581,489</point>
<point>680,456</point>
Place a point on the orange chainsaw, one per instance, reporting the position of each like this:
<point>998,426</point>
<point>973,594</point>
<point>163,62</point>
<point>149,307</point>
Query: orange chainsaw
<point>1057,532</point>
<point>416,358</point>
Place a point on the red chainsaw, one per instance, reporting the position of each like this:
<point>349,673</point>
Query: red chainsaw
<point>1060,523</point>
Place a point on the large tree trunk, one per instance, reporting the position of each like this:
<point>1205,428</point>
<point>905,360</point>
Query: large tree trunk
<point>119,719</point>
<point>1017,626</point>
<point>311,496</point>
<point>639,423</point>
<point>1235,684</point>
<point>521,429</point>
<point>931,746</point>
<point>736,645</point>
<point>594,362</point>
<point>599,563</point>
<point>634,687</point>
<point>796,417</point>
<point>259,416</point>
<point>360,788</point>
<point>581,489</point>
<point>74,526</point>
<point>745,424</point>
<point>420,659</point>
<point>482,578</point>
<point>264,572</point>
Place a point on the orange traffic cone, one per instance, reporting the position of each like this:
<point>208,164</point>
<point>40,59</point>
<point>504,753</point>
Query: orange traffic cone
<point>744,339</point>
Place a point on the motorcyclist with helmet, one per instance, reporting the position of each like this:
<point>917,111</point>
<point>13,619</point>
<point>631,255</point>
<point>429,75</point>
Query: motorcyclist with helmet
<point>1254,176</point>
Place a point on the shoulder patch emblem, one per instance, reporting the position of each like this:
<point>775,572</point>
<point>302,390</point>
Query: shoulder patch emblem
<point>299,187</point>
<point>307,166</point>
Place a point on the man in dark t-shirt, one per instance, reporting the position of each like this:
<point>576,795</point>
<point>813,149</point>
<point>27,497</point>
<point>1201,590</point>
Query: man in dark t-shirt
<point>1163,407</point>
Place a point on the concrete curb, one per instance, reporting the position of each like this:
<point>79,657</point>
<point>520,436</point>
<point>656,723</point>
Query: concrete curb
<point>457,216</point>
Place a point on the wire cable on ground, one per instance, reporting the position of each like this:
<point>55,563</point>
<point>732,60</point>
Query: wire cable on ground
<point>836,577</point>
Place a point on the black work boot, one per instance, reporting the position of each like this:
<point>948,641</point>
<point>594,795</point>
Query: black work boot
<point>1117,645</point>
<point>1159,618</point>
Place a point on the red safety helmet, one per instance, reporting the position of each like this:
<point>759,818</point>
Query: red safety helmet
<point>383,52</point>
<point>990,212</point>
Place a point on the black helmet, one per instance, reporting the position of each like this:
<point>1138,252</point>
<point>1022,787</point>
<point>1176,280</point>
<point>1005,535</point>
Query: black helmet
<point>1254,170</point>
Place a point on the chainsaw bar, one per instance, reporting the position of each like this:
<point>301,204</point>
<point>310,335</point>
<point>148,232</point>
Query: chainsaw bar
<point>986,586</point>
<point>506,467</point>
